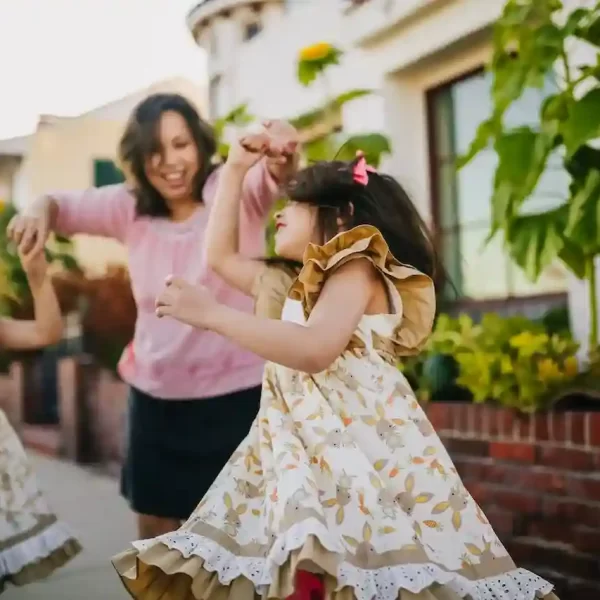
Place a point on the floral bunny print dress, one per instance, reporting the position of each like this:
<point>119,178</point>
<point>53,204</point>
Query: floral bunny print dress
<point>33,543</point>
<point>341,474</point>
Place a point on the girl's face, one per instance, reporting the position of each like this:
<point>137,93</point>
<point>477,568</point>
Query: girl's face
<point>296,227</point>
<point>172,168</point>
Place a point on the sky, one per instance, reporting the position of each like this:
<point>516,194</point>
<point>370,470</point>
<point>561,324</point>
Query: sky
<point>65,57</point>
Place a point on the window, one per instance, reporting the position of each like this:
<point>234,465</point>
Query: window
<point>107,173</point>
<point>461,200</point>
<point>251,30</point>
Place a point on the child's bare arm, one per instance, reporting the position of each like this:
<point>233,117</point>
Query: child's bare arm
<point>311,348</point>
<point>222,235</point>
<point>47,326</point>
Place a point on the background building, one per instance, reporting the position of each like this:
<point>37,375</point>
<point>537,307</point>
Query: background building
<point>75,153</point>
<point>425,59</point>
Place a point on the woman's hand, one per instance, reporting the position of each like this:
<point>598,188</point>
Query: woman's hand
<point>191,304</point>
<point>35,267</point>
<point>30,231</point>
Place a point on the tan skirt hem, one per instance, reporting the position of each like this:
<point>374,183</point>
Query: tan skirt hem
<point>44,567</point>
<point>160,573</point>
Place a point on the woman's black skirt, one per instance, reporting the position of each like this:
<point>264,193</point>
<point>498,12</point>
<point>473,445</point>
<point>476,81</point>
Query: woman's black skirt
<point>176,448</point>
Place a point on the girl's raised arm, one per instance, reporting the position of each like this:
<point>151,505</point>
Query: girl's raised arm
<point>223,232</point>
<point>47,327</point>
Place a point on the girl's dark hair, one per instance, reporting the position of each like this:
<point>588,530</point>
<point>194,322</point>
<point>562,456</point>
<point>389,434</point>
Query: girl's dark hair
<point>382,203</point>
<point>140,141</point>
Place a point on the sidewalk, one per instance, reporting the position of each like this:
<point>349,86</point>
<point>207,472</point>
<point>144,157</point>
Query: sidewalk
<point>91,505</point>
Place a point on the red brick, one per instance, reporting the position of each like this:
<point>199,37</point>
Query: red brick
<point>479,419</point>
<point>541,428</point>
<point>566,458</point>
<point>523,428</point>
<point>582,590</point>
<point>440,416</point>
<point>570,511</point>
<point>584,488</point>
<point>516,501</point>
<point>593,429</point>
<point>498,472</point>
<point>551,530</point>
<point>480,492</point>
<point>517,452</point>
<point>559,427</point>
<point>459,418</point>
<point>578,428</point>
<point>553,556</point>
<point>458,446</point>
<point>587,539</point>
<point>502,521</point>
<point>501,423</point>
<point>545,481</point>
<point>472,469</point>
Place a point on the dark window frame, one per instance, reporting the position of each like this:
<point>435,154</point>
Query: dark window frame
<point>531,305</point>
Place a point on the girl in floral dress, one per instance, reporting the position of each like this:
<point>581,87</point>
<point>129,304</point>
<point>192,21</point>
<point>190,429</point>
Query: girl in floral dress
<point>33,543</point>
<point>341,474</point>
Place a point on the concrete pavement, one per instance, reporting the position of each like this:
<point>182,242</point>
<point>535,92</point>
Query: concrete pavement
<point>91,505</point>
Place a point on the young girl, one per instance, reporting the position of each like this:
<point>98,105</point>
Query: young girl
<point>341,474</point>
<point>33,543</point>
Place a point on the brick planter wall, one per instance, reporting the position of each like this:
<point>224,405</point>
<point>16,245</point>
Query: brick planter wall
<point>537,478</point>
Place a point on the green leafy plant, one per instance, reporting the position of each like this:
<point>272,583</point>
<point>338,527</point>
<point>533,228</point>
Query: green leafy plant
<point>531,42</point>
<point>512,361</point>
<point>314,59</point>
<point>236,117</point>
<point>15,297</point>
<point>312,66</point>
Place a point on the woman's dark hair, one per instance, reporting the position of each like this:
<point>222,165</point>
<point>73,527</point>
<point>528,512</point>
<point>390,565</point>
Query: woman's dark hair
<point>382,203</point>
<point>140,141</point>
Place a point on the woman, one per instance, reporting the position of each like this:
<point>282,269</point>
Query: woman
<point>193,394</point>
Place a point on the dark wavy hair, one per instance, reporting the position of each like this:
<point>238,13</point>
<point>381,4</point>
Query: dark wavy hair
<point>382,203</point>
<point>140,141</point>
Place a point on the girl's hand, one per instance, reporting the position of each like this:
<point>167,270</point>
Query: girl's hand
<point>35,267</point>
<point>282,161</point>
<point>248,150</point>
<point>191,304</point>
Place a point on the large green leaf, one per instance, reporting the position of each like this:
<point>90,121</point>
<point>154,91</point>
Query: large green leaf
<point>535,241</point>
<point>374,146</point>
<point>522,156</point>
<point>583,124</point>
<point>583,224</point>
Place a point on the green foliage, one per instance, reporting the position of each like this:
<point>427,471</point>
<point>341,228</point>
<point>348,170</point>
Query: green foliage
<point>531,44</point>
<point>374,146</point>
<point>14,290</point>
<point>236,117</point>
<point>313,60</point>
<point>318,115</point>
<point>512,361</point>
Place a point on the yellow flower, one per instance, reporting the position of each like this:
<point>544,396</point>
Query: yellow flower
<point>315,52</point>
<point>548,370</point>
<point>2,204</point>
<point>521,340</point>
<point>571,366</point>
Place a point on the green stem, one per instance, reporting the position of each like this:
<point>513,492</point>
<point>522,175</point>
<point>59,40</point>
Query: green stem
<point>593,301</point>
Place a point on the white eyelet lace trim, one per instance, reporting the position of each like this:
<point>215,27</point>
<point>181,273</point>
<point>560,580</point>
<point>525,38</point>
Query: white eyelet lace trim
<point>368,584</point>
<point>33,549</point>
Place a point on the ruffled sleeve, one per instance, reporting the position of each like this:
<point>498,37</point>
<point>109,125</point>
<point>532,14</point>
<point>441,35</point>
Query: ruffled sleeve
<point>415,290</point>
<point>271,289</point>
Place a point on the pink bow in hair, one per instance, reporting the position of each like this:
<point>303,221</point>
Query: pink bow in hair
<point>361,171</point>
